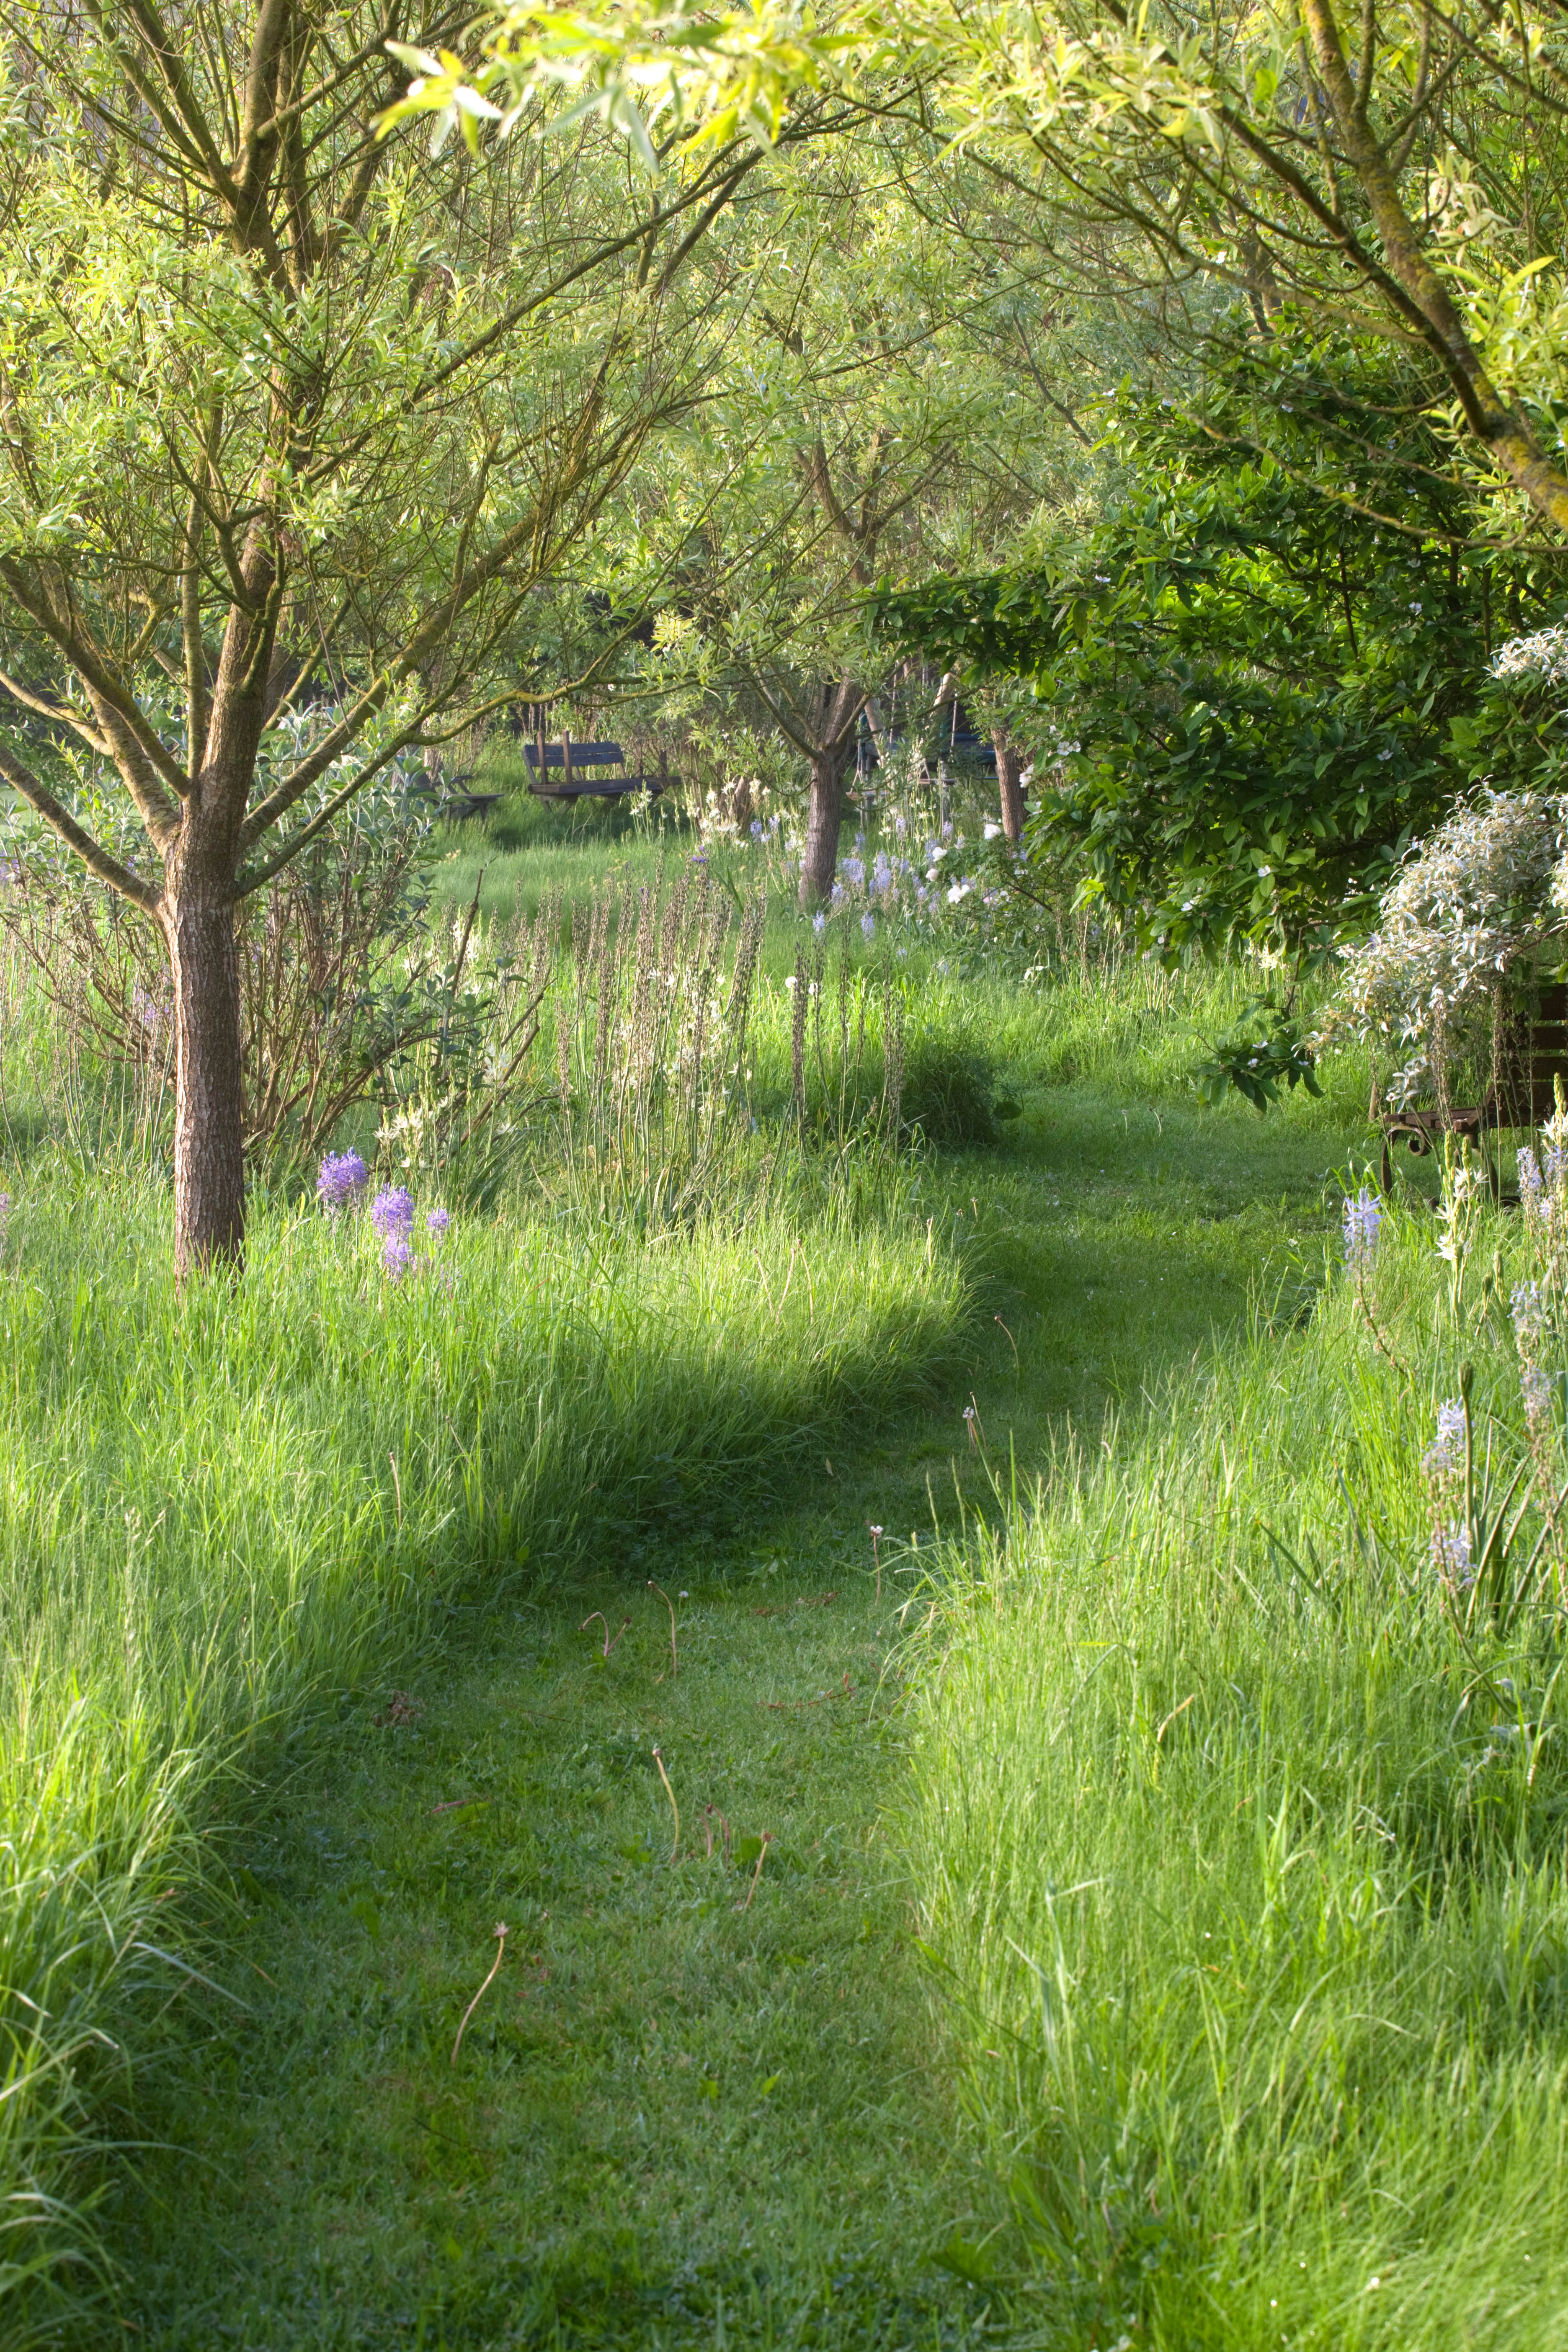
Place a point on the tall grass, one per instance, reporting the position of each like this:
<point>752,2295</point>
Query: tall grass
<point>1239,1844</point>
<point>214,1502</point>
<point>629,1054</point>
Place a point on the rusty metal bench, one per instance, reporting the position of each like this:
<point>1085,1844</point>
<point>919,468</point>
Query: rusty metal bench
<point>1532,1061</point>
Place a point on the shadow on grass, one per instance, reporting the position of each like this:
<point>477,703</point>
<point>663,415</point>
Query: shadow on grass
<point>699,2098</point>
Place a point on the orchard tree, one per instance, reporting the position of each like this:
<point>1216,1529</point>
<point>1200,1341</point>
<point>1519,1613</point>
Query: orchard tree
<point>1404,172</point>
<point>860,424</point>
<point>293,420</point>
<point>1263,669</point>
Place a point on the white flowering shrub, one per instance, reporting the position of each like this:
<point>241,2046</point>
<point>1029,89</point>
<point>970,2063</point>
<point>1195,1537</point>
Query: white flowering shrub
<point>1484,893</point>
<point>1543,655</point>
<point>1487,889</point>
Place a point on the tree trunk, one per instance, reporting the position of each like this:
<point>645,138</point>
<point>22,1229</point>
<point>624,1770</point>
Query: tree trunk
<point>1009,772</point>
<point>209,1094</point>
<point>825,814</point>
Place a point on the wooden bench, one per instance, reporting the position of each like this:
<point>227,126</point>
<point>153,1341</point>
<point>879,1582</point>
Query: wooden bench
<point>452,800</point>
<point>1532,1060</point>
<point>460,803</point>
<point>572,759</point>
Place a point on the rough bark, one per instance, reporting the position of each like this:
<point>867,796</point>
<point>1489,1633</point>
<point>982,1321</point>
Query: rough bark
<point>824,814</point>
<point>828,740</point>
<point>209,1092</point>
<point>1009,783</point>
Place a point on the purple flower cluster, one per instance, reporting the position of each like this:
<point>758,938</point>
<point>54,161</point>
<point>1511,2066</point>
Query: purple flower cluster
<point>1444,1462</point>
<point>1451,1556</point>
<point>342,1184</point>
<point>1445,1458</point>
<point>391,1214</point>
<point>341,1181</point>
<point>1364,1225</point>
<point>1532,1333</point>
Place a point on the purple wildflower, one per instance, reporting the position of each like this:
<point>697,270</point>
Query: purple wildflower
<point>819,922</point>
<point>438,1221</point>
<point>855,870</point>
<point>344,1176</point>
<point>392,1212</point>
<point>1445,1455</point>
<point>397,1256</point>
<point>1451,1556</point>
<point>1528,1186</point>
<point>1531,1334</point>
<point>1363,1224</point>
<point>1529,1319</point>
<point>869,926</point>
<point>1536,1389</point>
<point>146,1008</point>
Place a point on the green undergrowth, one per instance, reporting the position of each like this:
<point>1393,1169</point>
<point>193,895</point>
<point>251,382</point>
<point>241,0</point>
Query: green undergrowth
<point>216,1503</point>
<point>1242,1870</point>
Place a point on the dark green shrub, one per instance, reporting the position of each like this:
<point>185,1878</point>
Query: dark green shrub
<point>949,1089</point>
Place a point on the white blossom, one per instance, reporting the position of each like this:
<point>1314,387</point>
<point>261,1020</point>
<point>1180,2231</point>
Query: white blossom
<point>1478,894</point>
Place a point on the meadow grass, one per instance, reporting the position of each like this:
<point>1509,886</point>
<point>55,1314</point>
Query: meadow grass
<point>675,2120</point>
<point>525,851</point>
<point>236,1517</point>
<point>1242,1870</point>
<point>218,1501</point>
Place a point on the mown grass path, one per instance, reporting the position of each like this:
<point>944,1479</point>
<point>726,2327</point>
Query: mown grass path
<point>679,2116</point>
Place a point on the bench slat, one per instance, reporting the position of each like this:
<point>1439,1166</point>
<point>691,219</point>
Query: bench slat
<point>584,755</point>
